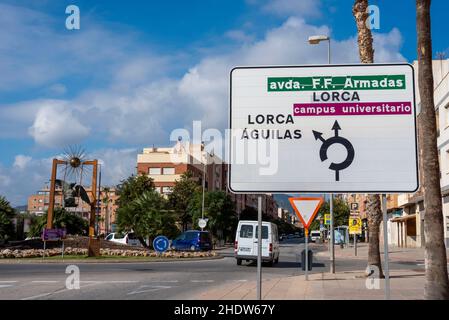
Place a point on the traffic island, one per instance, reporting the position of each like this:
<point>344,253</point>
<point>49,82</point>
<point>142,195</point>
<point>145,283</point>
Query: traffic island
<point>107,255</point>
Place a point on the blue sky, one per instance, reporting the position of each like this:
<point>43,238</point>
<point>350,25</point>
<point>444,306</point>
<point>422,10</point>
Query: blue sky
<point>136,70</point>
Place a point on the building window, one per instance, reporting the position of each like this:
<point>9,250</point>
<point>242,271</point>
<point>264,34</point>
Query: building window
<point>40,200</point>
<point>168,170</point>
<point>154,171</point>
<point>166,190</point>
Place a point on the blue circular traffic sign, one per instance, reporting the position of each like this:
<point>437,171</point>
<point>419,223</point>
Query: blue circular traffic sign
<point>161,244</point>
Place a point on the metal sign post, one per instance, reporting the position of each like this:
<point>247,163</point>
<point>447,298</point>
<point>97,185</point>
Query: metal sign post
<point>355,245</point>
<point>386,262</point>
<point>307,253</point>
<point>259,248</point>
<point>332,238</point>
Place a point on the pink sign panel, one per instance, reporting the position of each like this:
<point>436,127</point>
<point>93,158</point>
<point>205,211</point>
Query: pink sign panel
<point>352,109</point>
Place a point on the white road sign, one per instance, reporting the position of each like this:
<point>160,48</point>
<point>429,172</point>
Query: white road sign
<point>326,128</point>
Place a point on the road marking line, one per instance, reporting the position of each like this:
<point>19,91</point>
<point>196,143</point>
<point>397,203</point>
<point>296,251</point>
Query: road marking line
<point>45,281</point>
<point>243,280</point>
<point>151,289</point>
<point>51,293</point>
<point>7,281</point>
<point>201,280</point>
<point>109,281</point>
<point>160,281</point>
<point>6,285</point>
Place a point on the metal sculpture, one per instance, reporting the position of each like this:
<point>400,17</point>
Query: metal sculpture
<point>75,163</point>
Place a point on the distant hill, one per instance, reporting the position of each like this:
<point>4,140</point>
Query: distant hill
<point>21,208</point>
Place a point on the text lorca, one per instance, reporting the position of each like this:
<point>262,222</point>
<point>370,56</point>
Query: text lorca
<point>271,133</point>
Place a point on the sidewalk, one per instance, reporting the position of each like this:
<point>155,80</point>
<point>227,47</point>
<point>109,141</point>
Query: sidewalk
<point>350,285</point>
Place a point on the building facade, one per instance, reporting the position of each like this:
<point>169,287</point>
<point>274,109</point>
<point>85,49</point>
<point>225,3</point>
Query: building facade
<point>166,165</point>
<point>38,205</point>
<point>406,221</point>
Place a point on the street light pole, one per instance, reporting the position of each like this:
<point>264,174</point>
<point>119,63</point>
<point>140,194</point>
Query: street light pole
<point>204,187</point>
<point>316,39</point>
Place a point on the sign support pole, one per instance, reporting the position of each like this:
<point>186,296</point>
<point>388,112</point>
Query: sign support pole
<point>307,254</point>
<point>259,248</point>
<point>332,267</point>
<point>386,262</point>
<point>355,245</point>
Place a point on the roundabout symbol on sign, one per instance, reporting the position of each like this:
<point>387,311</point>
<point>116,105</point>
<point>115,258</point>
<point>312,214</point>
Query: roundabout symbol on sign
<point>160,244</point>
<point>332,140</point>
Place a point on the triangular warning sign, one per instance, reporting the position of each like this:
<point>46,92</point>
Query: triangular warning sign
<point>306,209</point>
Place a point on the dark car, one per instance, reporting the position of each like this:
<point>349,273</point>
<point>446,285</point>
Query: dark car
<point>192,240</point>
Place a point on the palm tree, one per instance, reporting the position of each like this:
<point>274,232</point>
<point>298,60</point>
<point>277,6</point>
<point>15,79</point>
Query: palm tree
<point>437,283</point>
<point>6,216</point>
<point>106,200</point>
<point>374,210</point>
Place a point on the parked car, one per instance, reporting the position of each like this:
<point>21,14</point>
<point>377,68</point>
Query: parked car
<point>245,246</point>
<point>124,238</point>
<point>192,240</point>
<point>315,235</point>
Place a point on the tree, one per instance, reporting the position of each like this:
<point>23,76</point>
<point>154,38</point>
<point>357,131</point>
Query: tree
<point>341,213</point>
<point>6,215</point>
<point>106,200</point>
<point>74,224</point>
<point>437,283</point>
<point>219,209</point>
<point>373,209</point>
<point>147,216</point>
<point>132,188</point>
<point>180,197</point>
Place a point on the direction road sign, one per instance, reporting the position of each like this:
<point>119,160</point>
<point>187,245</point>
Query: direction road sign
<point>306,209</point>
<point>53,234</point>
<point>160,244</point>
<point>355,225</point>
<point>326,129</point>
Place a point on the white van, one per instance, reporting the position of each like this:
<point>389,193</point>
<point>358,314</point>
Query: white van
<point>245,247</point>
<point>315,235</point>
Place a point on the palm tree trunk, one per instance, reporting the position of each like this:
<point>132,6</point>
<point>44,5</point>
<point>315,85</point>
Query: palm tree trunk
<point>437,283</point>
<point>374,212</point>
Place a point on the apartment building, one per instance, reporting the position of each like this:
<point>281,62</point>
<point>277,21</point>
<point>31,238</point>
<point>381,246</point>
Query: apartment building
<point>166,165</point>
<point>38,205</point>
<point>406,227</point>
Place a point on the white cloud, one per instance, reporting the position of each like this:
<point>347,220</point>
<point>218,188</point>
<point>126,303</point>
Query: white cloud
<point>56,125</point>
<point>21,161</point>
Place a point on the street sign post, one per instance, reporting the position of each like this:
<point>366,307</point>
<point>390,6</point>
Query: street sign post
<point>326,129</point>
<point>160,244</point>
<point>306,209</point>
<point>355,228</point>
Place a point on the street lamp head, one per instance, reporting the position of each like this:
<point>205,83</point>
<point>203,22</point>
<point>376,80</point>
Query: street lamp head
<point>317,39</point>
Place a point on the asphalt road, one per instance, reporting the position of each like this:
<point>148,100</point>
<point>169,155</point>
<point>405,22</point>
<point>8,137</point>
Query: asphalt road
<point>153,280</point>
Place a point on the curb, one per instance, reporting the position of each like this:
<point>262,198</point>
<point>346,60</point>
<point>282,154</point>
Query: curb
<point>123,260</point>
